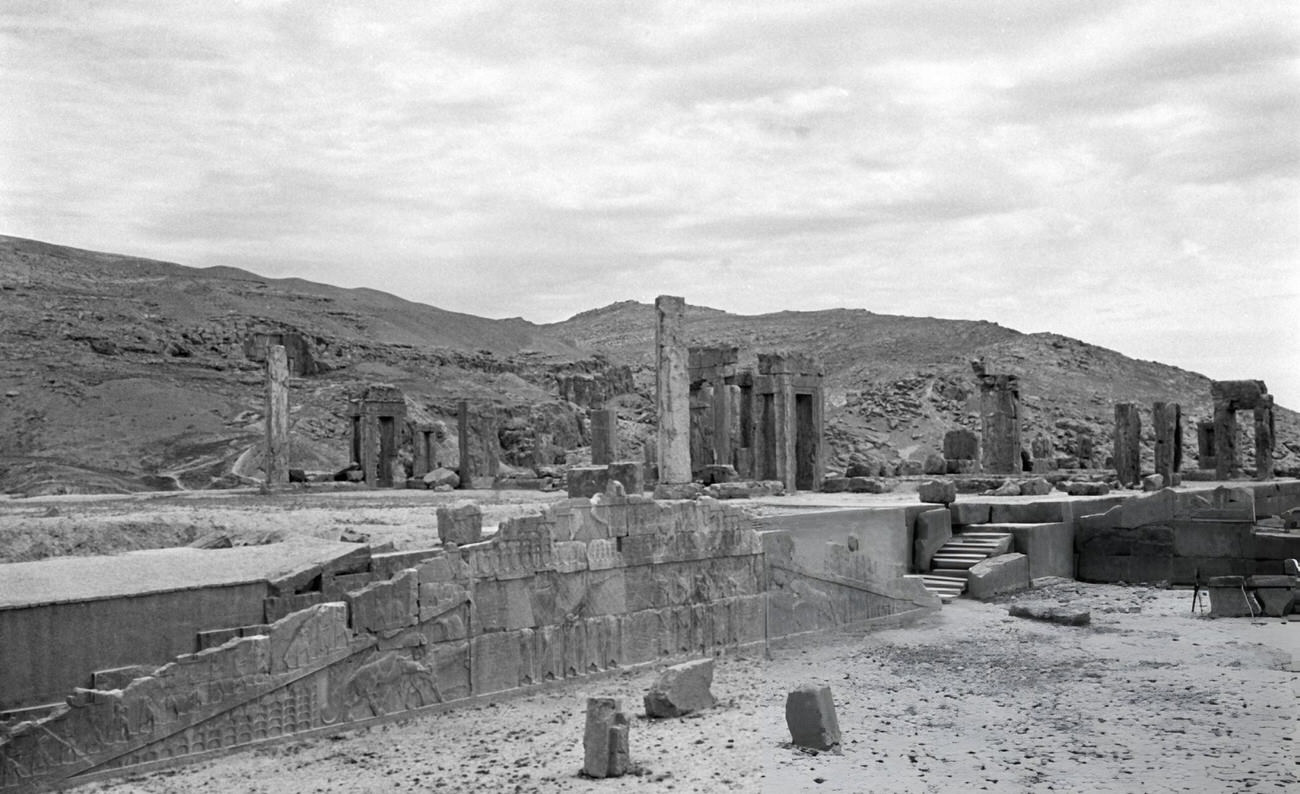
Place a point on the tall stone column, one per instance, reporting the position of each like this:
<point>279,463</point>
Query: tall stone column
<point>276,465</point>
<point>1264,438</point>
<point>672,393</point>
<point>1167,418</point>
<point>1000,424</point>
<point>1128,444</point>
<point>604,436</point>
<point>466,472</point>
<point>1226,465</point>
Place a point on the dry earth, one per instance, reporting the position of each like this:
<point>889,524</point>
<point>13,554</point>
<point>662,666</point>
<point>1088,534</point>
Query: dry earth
<point>1150,697</point>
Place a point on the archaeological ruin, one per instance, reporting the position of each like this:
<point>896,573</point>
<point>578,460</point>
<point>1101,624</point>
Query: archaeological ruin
<point>999,420</point>
<point>378,415</point>
<point>125,664</point>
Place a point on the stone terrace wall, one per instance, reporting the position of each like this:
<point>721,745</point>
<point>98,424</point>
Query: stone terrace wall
<point>1176,537</point>
<point>588,586</point>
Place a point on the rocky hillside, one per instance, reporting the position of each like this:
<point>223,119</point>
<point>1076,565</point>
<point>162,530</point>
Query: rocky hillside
<point>121,373</point>
<point>895,384</point>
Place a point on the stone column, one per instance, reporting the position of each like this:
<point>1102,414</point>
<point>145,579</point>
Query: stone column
<point>1226,465</point>
<point>462,430</point>
<point>1264,438</point>
<point>721,421</point>
<point>672,392</point>
<point>1167,418</point>
<point>1000,424</point>
<point>1128,444</point>
<point>604,436</point>
<point>276,465</point>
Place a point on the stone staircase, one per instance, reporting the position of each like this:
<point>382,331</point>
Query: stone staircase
<point>952,562</point>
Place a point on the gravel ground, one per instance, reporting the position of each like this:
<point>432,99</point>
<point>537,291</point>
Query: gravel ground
<point>1149,697</point>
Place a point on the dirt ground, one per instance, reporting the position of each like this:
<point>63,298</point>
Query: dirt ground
<point>1150,697</point>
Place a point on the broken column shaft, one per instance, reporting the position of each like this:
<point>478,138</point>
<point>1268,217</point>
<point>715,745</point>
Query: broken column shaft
<point>1168,422</point>
<point>276,466</point>
<point>672,392</point>
<point>1128,444</point>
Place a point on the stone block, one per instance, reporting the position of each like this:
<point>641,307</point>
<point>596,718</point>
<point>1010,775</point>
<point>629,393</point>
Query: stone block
<point>961,444</point>
<point>866,485</point>
<point>606,592</point>
<point>683,490</point>
<point>460,522</point>
<point>1005,573</point>
<point>584,482</point>
<point>810,716</point>
<point>963,466</point>
<point>385,606</point>
<point>911,468</point>
<point>1276,601</point>
<point>1153,482</point>
<point>1150,509</point>
<point>933,529</point>
<point>605,740</point>
<point>1049,546</point>
<point>718,473</point>
<point>970,512</point>
<point>497,661</point>
<point>835,485</point>
<point>1051,613</point>
<point>937,492</point>
<point>1211,539</point>
<point>630,473</point>
<point>1086,488</point>
<point>934,464</point>
<point>1266,545</point>
<point>1232,602</point>
<point>681,689</point>
<point>1044,512</point>
<point>1035,487</point>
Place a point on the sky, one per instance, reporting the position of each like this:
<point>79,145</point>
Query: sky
<point>1126,173</point>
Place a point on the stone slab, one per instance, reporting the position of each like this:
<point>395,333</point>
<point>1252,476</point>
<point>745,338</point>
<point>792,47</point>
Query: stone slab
<point>1049,546</point>
<point>1005,573</point>
<point>75,579</point>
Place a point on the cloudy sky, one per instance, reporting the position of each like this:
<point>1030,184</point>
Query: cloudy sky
<point>1127,173</point>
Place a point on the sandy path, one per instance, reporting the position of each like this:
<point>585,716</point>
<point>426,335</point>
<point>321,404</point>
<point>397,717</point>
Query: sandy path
<point>1149,698</point>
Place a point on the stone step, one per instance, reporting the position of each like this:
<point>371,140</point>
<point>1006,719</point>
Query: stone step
<point>958,560</point>
<point>981,535</point>
<point>950,573</point>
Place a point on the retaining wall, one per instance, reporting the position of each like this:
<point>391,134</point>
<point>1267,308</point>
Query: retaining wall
<point>588,586</point>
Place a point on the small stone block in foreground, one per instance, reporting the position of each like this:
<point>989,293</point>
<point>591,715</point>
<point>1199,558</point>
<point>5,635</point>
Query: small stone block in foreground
<point>810,716</point>
<point>1051,613</point>
<point>681,689</point>
<point>605,740</point>
<point>1231,602</point>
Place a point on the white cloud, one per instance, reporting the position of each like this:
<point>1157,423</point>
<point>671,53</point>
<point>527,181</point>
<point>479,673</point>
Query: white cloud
<point>1107,170</point>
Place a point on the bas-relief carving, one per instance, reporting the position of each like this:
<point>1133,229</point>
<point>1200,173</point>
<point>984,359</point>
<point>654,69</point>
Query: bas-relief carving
<point>419,639</point>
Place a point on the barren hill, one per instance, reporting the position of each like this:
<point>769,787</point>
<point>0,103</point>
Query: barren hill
<point>896,384</point>
<point>120,373</point>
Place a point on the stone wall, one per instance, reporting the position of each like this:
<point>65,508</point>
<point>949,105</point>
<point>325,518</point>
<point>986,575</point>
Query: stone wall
<point>589,585</point>
<point>1178,537</point>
